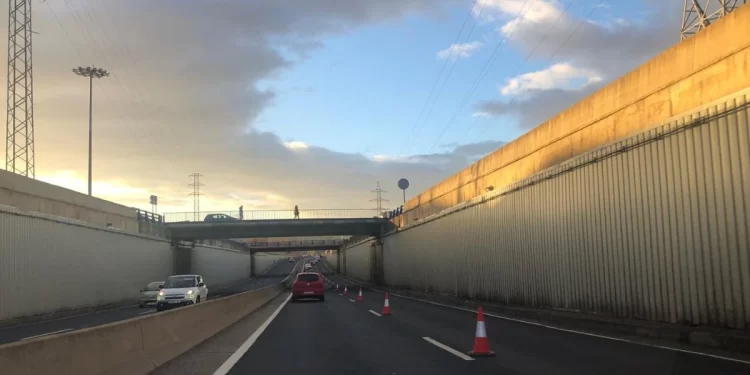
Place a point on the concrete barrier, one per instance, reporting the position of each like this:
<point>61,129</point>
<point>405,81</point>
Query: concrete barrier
<point>134,346</point>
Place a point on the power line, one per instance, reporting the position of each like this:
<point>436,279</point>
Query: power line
<point>455,59</point>
<point>196,185</point>
<point>559,48</point>
<point>440,74</point>
<point>518,70</point>
<point>19,130</point>
<point>490,61</point>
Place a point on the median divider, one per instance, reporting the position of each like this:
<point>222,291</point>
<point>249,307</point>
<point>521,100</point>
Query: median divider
<point>134,346</point>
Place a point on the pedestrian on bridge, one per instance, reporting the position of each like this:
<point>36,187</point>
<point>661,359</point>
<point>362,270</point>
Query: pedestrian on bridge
<point>296,212</point>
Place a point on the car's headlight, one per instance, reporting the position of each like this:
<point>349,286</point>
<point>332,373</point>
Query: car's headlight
<point>189,294</point>
<point>160,296</point>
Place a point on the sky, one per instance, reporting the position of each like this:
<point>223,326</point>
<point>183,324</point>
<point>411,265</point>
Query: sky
<point>312,103</point>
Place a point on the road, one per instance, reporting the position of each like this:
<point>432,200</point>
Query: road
<point>91,319</point>
<point>340,336</point>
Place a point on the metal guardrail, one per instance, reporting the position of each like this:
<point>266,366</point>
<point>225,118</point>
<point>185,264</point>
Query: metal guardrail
<point>226,216</point>
<point>149,217</point>
<point>289,244</point>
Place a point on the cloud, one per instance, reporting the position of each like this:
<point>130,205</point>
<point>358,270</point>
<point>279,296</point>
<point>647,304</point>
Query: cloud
<point>601,49</point>
<point>459,50</point>
<point>561,75</point>
<point>184,96</point>
<point>295,145</point>
<point>542,106</point>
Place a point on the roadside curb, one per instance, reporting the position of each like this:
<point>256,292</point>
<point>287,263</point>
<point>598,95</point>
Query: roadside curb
<point>697,336</point>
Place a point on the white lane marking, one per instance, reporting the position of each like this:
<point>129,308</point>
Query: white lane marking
<point>374,313</point>
<point>448,349</point>
<point>572,331</point>
<point>341,294</point>
<point>232,360</point>
<point>147,312</point>
<point>47,334</point>
<point>351,300</point>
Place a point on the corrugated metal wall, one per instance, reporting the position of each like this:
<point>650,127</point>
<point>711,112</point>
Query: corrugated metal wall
<point>332,260</point>
<point>220,266</point>
<point>654,227</point>
<point>358,261</point>
<point>49,265</point>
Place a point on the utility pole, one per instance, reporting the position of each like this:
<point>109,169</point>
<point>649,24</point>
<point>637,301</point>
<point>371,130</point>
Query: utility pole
<point>19,127</point>
<point>196,194</point>
<point>379,199</point>
<point>698,14</point>
<point>90,72</point>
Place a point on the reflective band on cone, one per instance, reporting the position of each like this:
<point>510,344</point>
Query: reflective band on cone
<point>386,306</point>
<point>481,344</point>
<point>359,297</point>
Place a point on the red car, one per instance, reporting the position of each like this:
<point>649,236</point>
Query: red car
<point>308,285</point>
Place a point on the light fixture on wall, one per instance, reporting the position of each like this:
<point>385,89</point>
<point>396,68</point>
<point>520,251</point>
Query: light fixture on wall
<point>489,188</point>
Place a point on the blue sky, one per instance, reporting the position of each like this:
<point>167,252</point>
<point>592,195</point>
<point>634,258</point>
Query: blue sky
<point>362,92</point>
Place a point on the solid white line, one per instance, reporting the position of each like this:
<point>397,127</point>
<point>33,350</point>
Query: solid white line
<point>351,300</point>
<point>232,360</point>
<point>567,330</point>
<point>47,334</point>
<point>147,312</point>
<point>448,349</point>
<point>374,313</point>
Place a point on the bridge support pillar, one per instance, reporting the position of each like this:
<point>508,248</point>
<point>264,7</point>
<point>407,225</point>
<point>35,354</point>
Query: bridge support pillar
<point>252,265</point>
<point>376,262</point>
<point>338,260</point>
<point>183,255</point>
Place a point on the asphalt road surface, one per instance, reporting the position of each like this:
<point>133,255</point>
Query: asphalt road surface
<point>91,319</point>
<point>340,336</point>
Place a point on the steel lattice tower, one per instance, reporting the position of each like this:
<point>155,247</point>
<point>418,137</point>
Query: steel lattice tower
<point>379,199</point>
<point>196,194</point>
<point>19,142</point>
<point>698,14</point>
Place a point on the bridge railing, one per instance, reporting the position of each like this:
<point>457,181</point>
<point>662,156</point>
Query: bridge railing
<point>291,244</point>
<point>149,217</point>
<point>218,216</point>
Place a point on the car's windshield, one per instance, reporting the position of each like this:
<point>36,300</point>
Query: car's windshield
<point>180,282</point>
<point>152,287</point>
<point>307,277</point>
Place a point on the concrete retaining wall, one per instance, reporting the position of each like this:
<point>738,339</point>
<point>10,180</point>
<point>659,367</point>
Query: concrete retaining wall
<point>220,266</point>
<point>131,347</point>
<point>697,71</point>
<point>48,265</point>
<point>32,195</point>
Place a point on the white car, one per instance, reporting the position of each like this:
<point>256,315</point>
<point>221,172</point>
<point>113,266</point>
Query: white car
<point>181,290</point>
<point>307,267</point>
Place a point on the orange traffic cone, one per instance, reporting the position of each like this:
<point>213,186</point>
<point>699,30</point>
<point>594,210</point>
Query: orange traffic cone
<point>481,344</point>
<point>346,291</point>
<point>359,297</point>
<point>386,306</point>
<point>337,287</point>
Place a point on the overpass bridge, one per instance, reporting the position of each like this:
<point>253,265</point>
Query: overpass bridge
<point>302,245</point>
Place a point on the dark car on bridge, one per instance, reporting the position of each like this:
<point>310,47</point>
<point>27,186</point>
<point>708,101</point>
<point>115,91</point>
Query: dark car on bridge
<point>218,218</point>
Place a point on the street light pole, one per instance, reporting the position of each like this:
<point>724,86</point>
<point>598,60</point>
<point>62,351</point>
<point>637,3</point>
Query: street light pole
<point>91,72</point>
